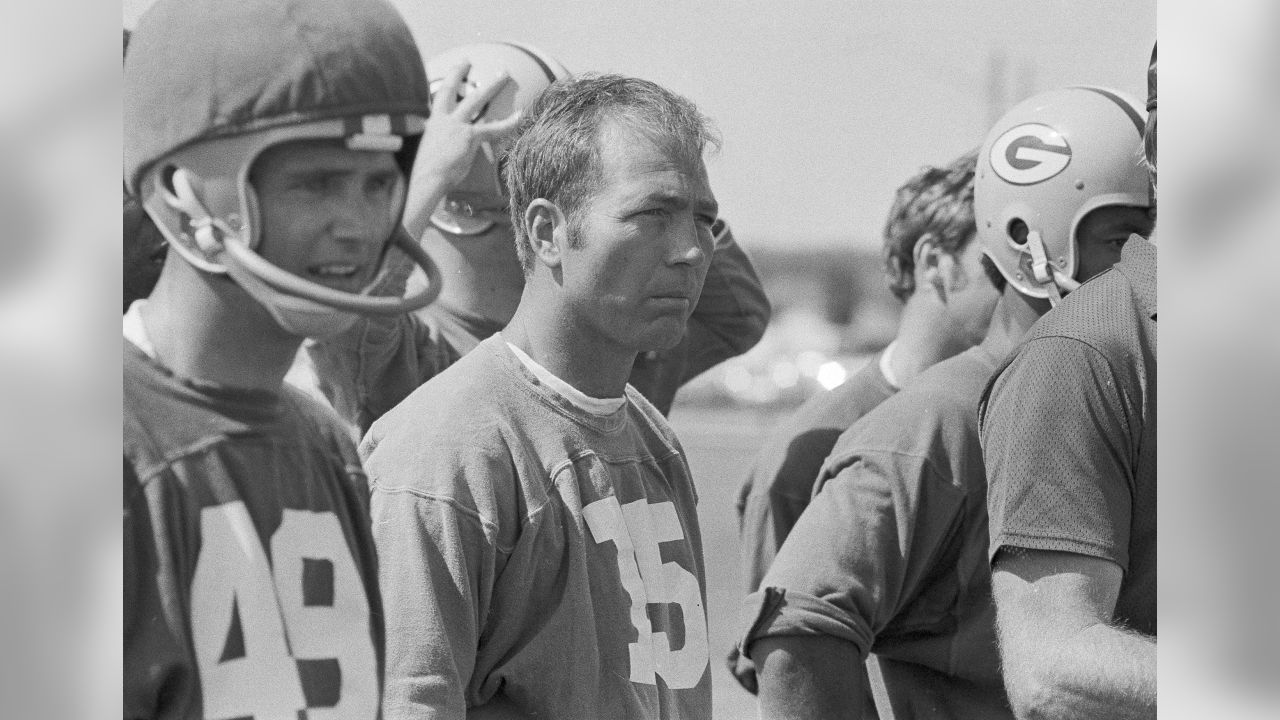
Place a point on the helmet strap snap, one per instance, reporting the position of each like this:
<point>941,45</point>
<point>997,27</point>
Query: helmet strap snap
<point>208,232</point>
<point>1048,276</point>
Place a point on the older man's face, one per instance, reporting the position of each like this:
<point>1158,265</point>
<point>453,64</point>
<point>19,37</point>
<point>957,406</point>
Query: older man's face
<point>643,245</point>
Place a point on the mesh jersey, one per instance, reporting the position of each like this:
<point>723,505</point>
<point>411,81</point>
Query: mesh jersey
<point>534,553</point>
<point>891,554</point>
<point>1069,432</point>
<point>250,575</point>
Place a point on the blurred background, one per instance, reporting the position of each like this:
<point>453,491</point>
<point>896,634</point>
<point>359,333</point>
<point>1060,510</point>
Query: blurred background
<point>825,108</point>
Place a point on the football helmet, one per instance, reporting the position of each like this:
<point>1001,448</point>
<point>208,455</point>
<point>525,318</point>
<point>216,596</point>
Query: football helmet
<point>191,138</point>
<point>1046,164</point>
<point>480,201</point>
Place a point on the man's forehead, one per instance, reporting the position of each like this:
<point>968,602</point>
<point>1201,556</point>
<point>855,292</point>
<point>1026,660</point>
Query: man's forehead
<point>635,164</point>
<point>621,145</point>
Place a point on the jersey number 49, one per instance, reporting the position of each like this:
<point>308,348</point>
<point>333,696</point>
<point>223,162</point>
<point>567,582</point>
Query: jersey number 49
<point>273,638</point>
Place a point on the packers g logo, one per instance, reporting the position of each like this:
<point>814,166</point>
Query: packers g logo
<point>1029,154</point>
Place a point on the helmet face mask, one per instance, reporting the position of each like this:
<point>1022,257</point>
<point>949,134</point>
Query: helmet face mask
<point>203,202</point>
<point>200,109</point>
<point>1046,164</point>
<point>479,203</point>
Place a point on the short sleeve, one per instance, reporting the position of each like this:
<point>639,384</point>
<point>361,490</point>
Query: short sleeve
<point>1057,441</point>
<point>858,554</point>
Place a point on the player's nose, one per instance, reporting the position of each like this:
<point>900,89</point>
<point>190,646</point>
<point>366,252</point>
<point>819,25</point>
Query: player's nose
<point>688,244</point>
<point>356,218</point>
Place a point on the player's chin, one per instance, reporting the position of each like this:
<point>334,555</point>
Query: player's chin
<point>663,333</point>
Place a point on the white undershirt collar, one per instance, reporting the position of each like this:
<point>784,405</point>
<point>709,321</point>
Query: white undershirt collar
<point>595,406</point>
<point>886,365</point>
<point>134,329</point>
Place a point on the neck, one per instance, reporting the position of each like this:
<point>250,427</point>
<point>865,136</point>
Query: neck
<point>546,333</point>
<point>925,337</point>
<point>1014,315</point>
<point>481,273</point>
<point>205,327</point>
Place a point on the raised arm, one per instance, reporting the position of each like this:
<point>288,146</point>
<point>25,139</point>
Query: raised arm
<point>1062,655</point>
<point>370,368</point>
<point>732,311</point>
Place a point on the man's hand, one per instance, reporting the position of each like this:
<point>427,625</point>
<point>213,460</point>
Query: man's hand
<point>449,145</point>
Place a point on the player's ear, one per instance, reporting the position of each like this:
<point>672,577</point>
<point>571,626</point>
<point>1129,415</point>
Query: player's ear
<point>547,229</point>
<point>932,265</point>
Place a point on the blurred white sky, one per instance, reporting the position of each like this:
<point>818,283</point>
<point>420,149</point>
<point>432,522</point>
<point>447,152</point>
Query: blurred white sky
<point>825,106</point>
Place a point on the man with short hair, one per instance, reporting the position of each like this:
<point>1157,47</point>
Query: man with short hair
<point>277,175</point>
<point>888,564</point>
<point>469,234</point>
<point>1069,437</point>
<point>929,228</point>
<point>534,515</point>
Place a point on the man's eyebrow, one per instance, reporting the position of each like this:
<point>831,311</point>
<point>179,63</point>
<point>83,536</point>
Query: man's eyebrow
<point>680,202</point>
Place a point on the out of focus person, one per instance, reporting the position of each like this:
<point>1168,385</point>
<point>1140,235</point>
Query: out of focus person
<point>535,518</point>
<point>928,243</point>
<point>1069,436</point>
<point>143,246</point>
<point>469,235</point>
<point>888,564</point>
<point>277,175</point>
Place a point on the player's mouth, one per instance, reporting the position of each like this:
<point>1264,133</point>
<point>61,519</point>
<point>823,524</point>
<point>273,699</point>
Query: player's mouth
<point>340,276</point>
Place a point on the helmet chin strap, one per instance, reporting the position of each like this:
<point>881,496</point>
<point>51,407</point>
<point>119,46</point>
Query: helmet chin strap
<point>1045,273</point>
<point>219,242</point>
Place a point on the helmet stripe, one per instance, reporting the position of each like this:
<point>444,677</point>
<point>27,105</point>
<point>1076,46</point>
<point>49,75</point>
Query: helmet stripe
<point>1138,123</point>
<point>551,76</point>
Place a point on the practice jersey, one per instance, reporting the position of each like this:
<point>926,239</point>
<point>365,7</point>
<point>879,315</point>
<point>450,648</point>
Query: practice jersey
<point>781,480</point>
<point>1069,432</point>
<point>891,554</point>
<point>250,574</point>
<point>534,553</point>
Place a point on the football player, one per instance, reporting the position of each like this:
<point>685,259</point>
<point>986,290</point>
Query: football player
<point>469,234</point>
<point>889,561</point>
<point>536,523</point>
<point>928,243</point>
<point>271,141</point>
<point>1069,437</point>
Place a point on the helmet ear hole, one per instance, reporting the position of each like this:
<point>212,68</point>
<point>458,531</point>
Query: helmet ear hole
<point>1018,231</point>
<point>166,177</point>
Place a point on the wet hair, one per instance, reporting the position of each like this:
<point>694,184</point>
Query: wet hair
<point>556,153</point>
<point>937,201</point>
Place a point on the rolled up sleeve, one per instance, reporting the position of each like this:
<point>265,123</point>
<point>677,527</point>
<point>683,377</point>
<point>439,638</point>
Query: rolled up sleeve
<point>858,553</point>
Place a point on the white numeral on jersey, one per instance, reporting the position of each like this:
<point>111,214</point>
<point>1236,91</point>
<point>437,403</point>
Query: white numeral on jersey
<point>636,529</point>
<point>234,575</point>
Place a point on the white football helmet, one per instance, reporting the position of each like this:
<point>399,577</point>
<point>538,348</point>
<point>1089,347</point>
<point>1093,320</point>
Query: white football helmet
<point>1047,163</point>
<point>479,202</point>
